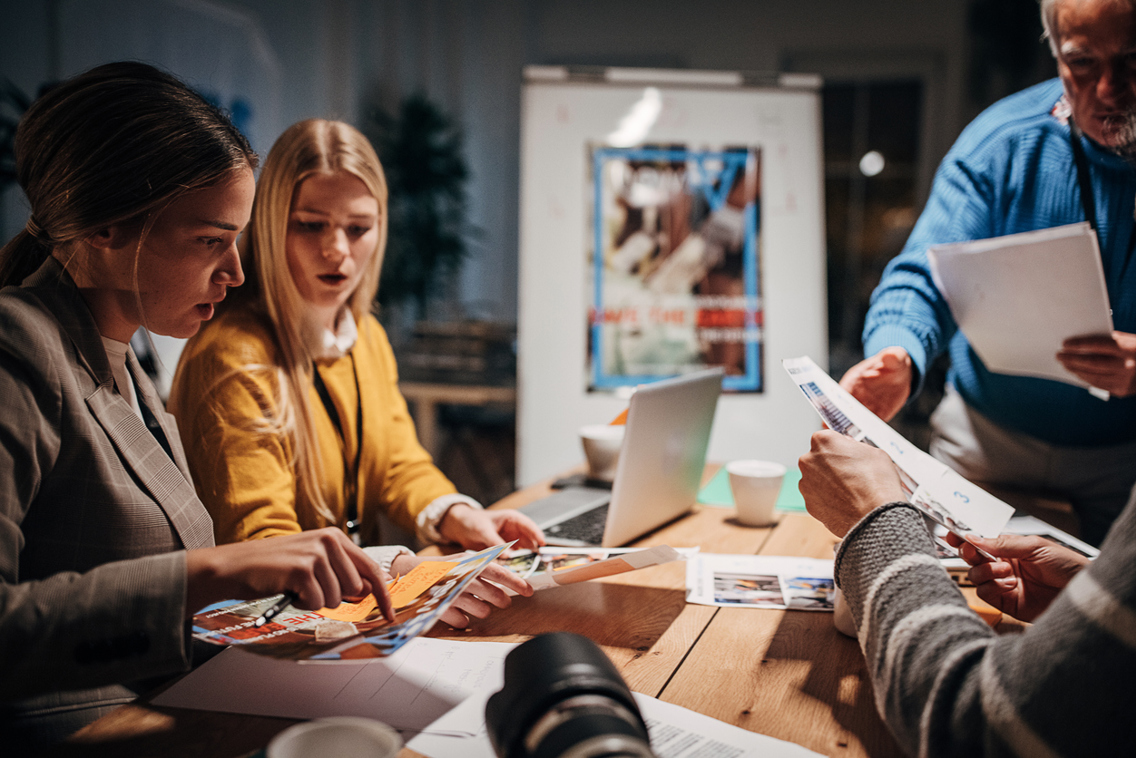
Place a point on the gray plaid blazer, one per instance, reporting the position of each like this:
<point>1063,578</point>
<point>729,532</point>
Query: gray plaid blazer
<point>94,516</point>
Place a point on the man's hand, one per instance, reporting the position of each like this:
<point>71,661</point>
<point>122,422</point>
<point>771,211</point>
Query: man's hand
<point>476,529</point>
<point>321,567</point>
<point>882,383</point>
<point>1107,362</point>
<point>480,596</point>
<point>1028,574</point>
<point>843,480</point>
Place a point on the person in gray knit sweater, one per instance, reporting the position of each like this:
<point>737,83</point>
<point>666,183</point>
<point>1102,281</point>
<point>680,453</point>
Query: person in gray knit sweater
<point>944,682</point>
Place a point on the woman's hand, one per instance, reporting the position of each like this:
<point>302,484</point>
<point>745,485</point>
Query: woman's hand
<point>843,480</point>
<point>321,567</point>
<point>477,529</point>
<point>882,383</point>
<point>480,595</point>
<point>1029,573</point>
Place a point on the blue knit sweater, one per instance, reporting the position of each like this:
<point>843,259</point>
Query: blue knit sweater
<point>1011,171</point>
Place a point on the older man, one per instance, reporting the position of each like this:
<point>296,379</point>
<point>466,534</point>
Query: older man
<point>944,683</point>
<point>1053,154</point>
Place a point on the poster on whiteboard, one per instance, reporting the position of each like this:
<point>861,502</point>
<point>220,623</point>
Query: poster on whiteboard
<point>673,281</point>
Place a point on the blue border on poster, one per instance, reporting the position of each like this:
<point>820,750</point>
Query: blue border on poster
<point>732,162</point>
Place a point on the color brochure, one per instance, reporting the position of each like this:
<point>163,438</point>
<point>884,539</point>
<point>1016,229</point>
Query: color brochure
<point>350,631</point>
<point>558,566</point>
<point>760,581</point>
<point>936,490</point>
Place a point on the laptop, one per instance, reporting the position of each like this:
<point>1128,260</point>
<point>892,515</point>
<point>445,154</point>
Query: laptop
<point>659,470</point>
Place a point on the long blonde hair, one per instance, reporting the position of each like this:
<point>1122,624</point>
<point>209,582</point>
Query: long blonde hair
<point>315,146</point>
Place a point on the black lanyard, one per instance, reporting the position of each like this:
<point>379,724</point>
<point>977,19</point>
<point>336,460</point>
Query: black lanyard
<point>350,472</point>
<point>1088,201</point>
<point>1084,178</point>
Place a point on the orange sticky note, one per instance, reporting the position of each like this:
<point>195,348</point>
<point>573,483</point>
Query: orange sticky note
<point>352,612</point>
<point>621,419</point>
<point>421,578</point>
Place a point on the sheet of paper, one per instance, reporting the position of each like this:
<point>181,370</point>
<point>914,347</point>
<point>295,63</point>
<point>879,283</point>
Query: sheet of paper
<point>676,732</point>
<point>760,581</point>
<point>1018,298</point>
<point>616,564</point>
<point>352,612</point>
<point>936,490</point>
<point>408,690</point>
<point>421,578</point>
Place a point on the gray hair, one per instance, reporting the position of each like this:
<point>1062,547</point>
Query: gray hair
<point>1049,21</point>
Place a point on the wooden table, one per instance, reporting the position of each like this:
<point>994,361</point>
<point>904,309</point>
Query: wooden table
<point>787,674</point>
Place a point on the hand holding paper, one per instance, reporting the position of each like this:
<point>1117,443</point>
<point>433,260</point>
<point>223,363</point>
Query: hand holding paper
<point>935,490</point>
<point>843,480</point>
<point>882,382</point>
<point>1019,298</point>
<point>1104,361</point>
<point>1027,574</point>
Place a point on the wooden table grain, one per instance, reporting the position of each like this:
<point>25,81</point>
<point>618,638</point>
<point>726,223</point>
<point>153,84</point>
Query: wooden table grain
<point>787,674</point>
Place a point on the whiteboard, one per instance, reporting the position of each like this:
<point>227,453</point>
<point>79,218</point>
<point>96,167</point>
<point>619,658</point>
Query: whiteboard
<point>561,115</point>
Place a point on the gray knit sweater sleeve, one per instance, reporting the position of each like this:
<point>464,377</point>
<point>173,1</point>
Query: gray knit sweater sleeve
<point>948,686</point>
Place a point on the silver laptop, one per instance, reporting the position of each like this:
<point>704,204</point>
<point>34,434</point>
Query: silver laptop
<point>659,470</point>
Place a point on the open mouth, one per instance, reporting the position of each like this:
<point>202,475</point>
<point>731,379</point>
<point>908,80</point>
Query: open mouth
<point>332,279</point>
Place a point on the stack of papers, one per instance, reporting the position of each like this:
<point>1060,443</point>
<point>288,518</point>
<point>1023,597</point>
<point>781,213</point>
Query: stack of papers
<point>1018,298</point>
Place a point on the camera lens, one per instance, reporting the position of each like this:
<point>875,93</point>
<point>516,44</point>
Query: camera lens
<point>563,698</point>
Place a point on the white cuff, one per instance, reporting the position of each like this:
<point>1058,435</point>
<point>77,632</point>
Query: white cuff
<point>384,555</point>
<point>432,515</point>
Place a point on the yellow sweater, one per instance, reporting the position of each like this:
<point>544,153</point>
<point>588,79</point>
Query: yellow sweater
<point>225,383</point>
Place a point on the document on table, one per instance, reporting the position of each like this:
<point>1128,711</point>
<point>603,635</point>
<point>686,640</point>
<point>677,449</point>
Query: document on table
<point>549,566</point>
<point>408,690</point>
<point>676,732</point>
<point>937,491</point>
<point>760,581</point>
<point>1018,298</point>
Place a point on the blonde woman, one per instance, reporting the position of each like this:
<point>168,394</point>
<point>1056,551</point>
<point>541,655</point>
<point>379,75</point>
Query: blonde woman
<point>288,402</point>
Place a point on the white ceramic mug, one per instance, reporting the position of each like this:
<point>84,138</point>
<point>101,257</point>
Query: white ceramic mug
<point>602,443</point>
<point>756,485</point>
<point>338,737</point>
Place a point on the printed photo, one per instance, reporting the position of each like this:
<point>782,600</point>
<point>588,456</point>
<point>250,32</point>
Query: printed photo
<point>810,593</point>
<point>748,589</point>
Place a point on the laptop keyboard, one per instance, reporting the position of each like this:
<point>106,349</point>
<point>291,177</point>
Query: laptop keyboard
<point>586,527</point>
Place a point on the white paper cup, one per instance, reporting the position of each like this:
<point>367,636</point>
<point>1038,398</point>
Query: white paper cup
<point>756,485</point>
<point>842,615</point>
<point>338,737</point>
<point>601,449</point>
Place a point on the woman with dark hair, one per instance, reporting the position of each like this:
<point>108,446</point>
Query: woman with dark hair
<point>138,190</point>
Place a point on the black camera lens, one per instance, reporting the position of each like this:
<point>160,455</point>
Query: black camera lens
<point>563,698</point>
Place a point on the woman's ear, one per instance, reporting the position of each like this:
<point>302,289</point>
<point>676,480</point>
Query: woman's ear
<point>114,237</point>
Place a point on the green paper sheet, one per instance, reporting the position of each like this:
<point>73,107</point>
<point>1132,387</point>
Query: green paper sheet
<point>717,492</point>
